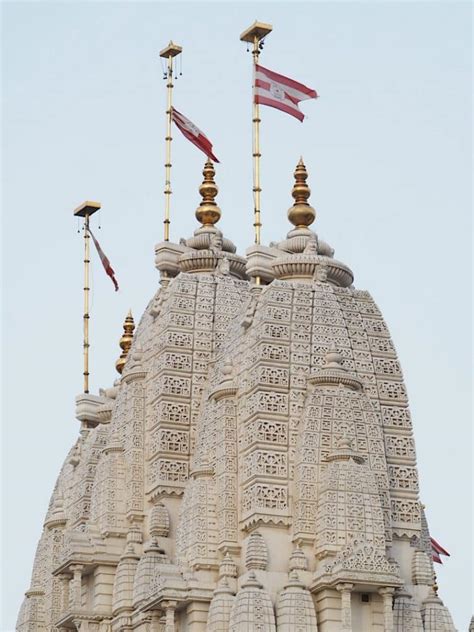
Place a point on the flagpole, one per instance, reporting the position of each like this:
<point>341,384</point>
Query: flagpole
<point>253,35</point>
<point>86,210</point>
<point>256,146</point>
<point>172,50</point>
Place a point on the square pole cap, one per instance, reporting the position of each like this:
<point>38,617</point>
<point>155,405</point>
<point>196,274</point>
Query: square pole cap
<point>87,208</point>
<point>171,50</point>
<point>258,30</point>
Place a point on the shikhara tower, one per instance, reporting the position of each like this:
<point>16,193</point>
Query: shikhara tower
<point>253,469</point>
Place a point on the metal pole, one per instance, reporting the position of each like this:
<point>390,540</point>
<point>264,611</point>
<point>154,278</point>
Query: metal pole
<point>168,53</point>
<point>85,210</point>
<point>168,139</point>
<point>256,149</point>
<point>86,344</point>
<point>254,35</point>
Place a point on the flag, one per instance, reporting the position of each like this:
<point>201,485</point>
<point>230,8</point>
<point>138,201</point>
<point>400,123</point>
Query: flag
<point>280,92</point>
<point>436,551</point>
<point>105,261</point>
<point>193,133</point>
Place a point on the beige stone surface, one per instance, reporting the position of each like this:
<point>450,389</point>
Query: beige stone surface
<point>253,469</point>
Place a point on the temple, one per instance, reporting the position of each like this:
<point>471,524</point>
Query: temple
<point>253,468</point>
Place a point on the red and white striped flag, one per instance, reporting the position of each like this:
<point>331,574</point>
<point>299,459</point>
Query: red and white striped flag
<point>437,550</point>
<point>280,92</point>
<point>105,261</point>
<point>193,133</point>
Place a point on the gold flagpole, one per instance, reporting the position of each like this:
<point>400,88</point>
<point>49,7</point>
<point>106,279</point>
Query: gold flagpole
<point>172,50</point>
<point>86,210</point>
<point>253,35</point>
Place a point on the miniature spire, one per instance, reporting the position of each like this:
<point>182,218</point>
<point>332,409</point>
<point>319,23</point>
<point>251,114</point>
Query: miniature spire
<point>301,214</point>
<point>208,213</point>
<point>125,341</point>
<point>333,359</point>
<point>344,451</point>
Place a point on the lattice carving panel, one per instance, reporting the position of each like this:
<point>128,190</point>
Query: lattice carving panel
<point>332,413</point>
<point>349,508</point>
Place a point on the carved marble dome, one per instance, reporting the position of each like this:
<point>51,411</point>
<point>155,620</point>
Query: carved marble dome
<point>253,468</point>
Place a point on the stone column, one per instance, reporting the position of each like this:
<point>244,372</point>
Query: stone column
<point>346,613</point>
<point>155,622</point>
<point>75,598</point>
<point>169,609</point>
<point>65,579</point>
<point>387,595</point>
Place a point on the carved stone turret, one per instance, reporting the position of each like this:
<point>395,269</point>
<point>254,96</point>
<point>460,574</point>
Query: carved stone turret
<point>295,608</point>
<point>253,608</point>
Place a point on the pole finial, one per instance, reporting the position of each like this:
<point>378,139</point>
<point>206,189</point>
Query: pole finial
<point>125,341</point>
<point>257,31</point>
<point>301,214</point>
<point>208,213</point>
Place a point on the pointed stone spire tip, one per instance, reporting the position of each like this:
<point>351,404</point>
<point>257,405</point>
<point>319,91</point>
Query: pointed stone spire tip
<point>125,341</point>
<point>301,214</point>
<point>208,213</point>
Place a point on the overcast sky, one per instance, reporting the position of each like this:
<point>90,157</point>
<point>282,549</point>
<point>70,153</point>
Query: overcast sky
<point>388,150</point>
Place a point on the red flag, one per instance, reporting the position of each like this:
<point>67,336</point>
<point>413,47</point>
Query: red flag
<point>280,92</point>
<point>105,261</point>
<point>437,550</point>
<point>193,133</point>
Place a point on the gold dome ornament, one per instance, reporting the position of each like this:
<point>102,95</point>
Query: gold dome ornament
<point>208,213</point>
<point>125,341</point>
<point>301,214</point>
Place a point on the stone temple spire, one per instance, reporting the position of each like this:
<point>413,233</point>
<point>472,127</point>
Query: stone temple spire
<point>125,341</point>
<point>208,213</point>
<point>256,469</point>
<point>301,214</point>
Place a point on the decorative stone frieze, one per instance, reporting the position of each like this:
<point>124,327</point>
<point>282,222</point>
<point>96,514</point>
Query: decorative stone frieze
<point>358,563</point>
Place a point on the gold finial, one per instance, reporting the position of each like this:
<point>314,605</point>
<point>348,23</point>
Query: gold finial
<point>208,213</point>
<point>125,341</point>
<point>301,214</point>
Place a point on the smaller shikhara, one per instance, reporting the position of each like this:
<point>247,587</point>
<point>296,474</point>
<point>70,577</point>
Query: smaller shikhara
<point>253,468</point>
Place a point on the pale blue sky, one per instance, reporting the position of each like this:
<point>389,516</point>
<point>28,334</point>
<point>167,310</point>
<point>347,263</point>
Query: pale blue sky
<point>388,149</point>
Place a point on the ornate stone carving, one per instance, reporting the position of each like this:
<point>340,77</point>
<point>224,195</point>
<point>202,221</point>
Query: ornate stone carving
<point>256,556</point>
<point>159,521</point>
<point>360,562</point>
